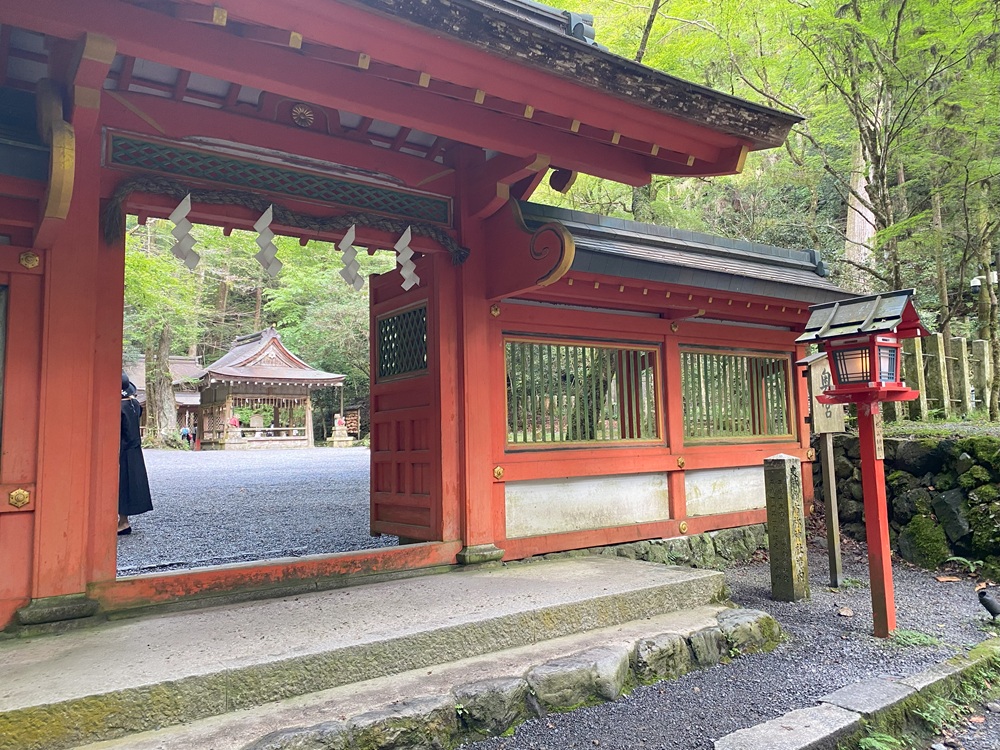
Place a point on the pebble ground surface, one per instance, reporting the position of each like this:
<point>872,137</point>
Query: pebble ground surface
<point>824,651</point>
<point>219,507</point>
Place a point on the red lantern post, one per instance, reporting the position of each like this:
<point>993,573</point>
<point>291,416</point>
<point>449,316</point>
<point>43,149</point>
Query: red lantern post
<point>861,337</point>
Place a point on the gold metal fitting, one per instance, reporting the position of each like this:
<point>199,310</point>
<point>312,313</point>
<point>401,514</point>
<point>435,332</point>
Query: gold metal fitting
<point>29,259</point>
<point>811,454</point>
<point>675,326</point>
<point>495,311</point>
<point>19,498</point>
<point>498,472</point>
<point>683,527</point>
<point>680,462</point>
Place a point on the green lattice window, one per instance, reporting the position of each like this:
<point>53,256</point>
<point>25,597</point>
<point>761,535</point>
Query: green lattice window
<point>733,395</point>
<point>562,392</point>
<point>402,343</point>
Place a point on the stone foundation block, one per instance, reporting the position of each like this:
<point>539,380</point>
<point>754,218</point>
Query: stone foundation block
<point>708,646</point>
<point>597,673</point>
<point>663,657</point>
<point>490,707</point>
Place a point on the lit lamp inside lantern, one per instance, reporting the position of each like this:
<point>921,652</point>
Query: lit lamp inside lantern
<point>871,361</point>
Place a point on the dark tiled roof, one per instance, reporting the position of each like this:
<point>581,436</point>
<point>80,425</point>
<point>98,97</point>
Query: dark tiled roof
<point>629,249</point>
<point>262,358</point>
<point>875,313</point>
<point>508,29</point>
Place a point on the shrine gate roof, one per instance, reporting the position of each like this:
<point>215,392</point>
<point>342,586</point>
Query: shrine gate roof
<point>261,358</point>
<point>630,249</point>
<point>395,83</point>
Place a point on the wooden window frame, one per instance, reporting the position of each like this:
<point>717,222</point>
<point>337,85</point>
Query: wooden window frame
<point>650,417</point>
<point>758,408</point>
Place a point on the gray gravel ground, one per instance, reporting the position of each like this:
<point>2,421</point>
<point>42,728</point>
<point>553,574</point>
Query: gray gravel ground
<point>217,507</point>
<point>824,652</point>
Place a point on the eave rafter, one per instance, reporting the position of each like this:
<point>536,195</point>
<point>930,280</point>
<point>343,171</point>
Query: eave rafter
<point>676,303</point>
<point>429,102</point>
<point>180,120</point>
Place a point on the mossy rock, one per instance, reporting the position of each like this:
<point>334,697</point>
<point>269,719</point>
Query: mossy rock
<point>974,477</point>
<point>988,493</point>
<point>945,481</point>
<point>984,519</point>
<point>898,482</point>
<point>991,568</point>
<point>923,542</point>
<point>985,449</point>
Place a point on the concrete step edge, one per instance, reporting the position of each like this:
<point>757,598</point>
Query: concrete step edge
<point>118,713</point>
<point>459,704</point>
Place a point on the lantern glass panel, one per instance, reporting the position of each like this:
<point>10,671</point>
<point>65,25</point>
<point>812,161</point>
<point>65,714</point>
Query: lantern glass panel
<point>852,366</point>
<point>887,364</point>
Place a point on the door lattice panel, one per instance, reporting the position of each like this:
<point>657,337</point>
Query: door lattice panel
<point>402,343</point>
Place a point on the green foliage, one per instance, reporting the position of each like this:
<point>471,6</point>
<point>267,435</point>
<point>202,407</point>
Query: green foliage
<point>910,638</point>
<point>970,565</point>
<point>880,741</point>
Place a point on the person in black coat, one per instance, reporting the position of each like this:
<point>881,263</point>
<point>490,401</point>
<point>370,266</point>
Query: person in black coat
<point>133,484</point>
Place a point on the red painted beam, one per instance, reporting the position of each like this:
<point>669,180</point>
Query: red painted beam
<point>18,212</point>
<point>357,29</point>
<point>181,120</point>
<point>139,591</point>
<point>214,53</point>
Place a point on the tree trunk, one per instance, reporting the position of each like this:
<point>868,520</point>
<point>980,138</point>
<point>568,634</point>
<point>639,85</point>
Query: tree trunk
<point>256,310</point>
<point>860,225</point>
<point>944,312</point>
<point>161,409</point>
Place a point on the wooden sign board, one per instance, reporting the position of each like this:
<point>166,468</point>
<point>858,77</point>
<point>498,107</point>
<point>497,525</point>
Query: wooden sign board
<point>825,417</point>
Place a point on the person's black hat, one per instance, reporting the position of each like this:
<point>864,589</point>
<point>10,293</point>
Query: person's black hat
<point>128,388</point>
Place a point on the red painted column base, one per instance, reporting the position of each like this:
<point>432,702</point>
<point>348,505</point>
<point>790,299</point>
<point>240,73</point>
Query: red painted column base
<point>876,525</point>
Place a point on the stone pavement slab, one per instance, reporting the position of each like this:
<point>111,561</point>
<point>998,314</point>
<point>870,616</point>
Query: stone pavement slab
<point>816,728</point>
<point>868,696</point>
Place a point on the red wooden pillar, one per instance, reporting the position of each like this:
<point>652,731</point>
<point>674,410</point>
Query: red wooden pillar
<point>876,524</point>
<point>75,407</point>
<point>477,403</point>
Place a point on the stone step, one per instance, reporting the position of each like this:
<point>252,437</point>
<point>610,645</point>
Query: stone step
<point>126,677</point>
<point>481,696</point>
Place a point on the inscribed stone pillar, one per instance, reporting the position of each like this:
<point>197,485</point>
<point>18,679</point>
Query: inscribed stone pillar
<point>913,374</point>
<point>938,393</point>
<point>982,373</point>
<point>958,374</point>
<point>786,528</point>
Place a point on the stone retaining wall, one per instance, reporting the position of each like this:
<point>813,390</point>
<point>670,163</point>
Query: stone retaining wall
<point>943,494</point>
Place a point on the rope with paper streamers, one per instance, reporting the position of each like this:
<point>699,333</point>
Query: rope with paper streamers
<point>114,214</point>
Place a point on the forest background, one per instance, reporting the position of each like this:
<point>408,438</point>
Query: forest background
<point>891,175</point>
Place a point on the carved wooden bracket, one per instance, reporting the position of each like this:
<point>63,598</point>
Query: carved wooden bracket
<point>519,259</point>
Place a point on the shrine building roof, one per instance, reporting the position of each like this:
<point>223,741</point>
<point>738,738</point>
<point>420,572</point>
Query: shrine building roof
<point>262,359</point>
<point>630,249</point>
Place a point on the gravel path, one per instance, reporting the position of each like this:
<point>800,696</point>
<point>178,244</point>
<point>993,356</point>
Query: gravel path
<point>824,652</point>
<point>218,507</point>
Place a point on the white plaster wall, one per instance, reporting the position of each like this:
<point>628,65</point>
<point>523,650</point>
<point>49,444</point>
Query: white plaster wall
<point>712,491</point>
<point>556,506</point>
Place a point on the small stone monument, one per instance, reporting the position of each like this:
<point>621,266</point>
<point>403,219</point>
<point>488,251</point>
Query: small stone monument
<point>340,438</point>
<point>786,528</point>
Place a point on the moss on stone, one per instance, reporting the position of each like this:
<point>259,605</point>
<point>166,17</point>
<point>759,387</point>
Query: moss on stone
<point>984,519</point>
<point>988,493</point>
<point>923,542</point>
<point>974,477</point>
<point>945,481</point>
<point>985,449</point>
